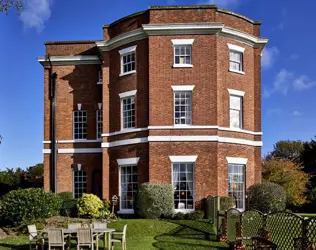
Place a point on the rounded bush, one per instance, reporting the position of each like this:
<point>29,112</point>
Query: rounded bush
<point>267,197</point>
<point>226,202</point>
<point>155,200</point>
<point>90,205</point>
<point>68,204</point>
<point>26,206</point>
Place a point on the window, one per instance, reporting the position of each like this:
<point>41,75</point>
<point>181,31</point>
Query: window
<point>236,55</point>
<point>80,124</point>
<point>128,112</point>
<point>183,54</point>
<point>235,111</point>
<point>128,60</point>
<point>80,183</point>
<point>128,175</point>
<point>236,184</point>
<point>99,124</point>
<point>100,76</point>
<point>182,107</point>
<point>183,185</point>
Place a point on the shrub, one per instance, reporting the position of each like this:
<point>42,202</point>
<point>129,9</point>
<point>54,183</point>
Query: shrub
<point>196,215</point>
<point>226,202</point>
<point>90,205</point>
<point>178,216</point>
<point>267,197</point>
<point>155,200</point>
<point>68,204</point>
<point>26,206</point>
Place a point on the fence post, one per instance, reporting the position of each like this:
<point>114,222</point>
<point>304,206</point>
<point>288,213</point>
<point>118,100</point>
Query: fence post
<point>304,234</point>
<point>223,237</point>
<point>263,232</point>
<point>239,236</point>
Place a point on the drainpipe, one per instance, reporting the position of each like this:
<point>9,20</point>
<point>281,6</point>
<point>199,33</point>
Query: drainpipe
<point>53,155</point>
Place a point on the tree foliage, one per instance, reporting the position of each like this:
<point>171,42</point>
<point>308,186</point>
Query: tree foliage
<point>308,157</point>
<point>6,5</point>
<point>290,176</point>
<point>287,150</point>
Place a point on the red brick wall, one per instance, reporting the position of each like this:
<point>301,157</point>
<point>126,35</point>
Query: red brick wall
<point>68,49</point>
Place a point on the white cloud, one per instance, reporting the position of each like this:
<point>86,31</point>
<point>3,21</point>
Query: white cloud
<point>35,13</point>
<point>282,82</point>
<point>303,82</point>
<point>222,3</point>
<point>297,113</point>
<point>269,56</point>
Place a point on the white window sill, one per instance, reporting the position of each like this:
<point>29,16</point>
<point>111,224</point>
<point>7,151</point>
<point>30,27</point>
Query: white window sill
<point>126,211</point>
<point>99,82</point>
<point>182,125</point>
<point>128,73</point>
<point>182,65</point>
<point>127,129</point>
<point>185,211</point>
<point>237,71</point>
<point>236,129</point>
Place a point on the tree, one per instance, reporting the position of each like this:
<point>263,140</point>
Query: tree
<point>6,5</point>
<point>287,150</point>
<point>290,176</point>
<point>308,157</point>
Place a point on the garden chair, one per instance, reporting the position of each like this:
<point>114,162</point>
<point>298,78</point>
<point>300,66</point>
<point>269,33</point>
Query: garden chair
<point>56,239</point>
<point>119,240</point>
<point>34,237</point>
<point>100,225</point>
<point>84,238</point>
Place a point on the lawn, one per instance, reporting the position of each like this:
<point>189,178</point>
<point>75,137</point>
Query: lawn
<point>150,235</point>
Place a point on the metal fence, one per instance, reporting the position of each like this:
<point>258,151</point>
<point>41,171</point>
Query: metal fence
<point>287,231</point>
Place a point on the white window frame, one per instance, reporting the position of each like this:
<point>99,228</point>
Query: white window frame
<point>240,50</point>
<point>73,124</point>
<point>177,89</point>
<point>240,94</point>
<point>98,121</point>
<point>123,163</point>
<point>123,96</point>
<point>182,42</point>
<point>241,162</point>
<point>100,76</point>
<point>125,52</point>
<point>73,181</point>
<point>184,159</point>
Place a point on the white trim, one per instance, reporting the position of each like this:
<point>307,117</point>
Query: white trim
<point>69,60</point>
<point>79,141</point>
<point>208,138</point>
<point>183,87</point>
<point>126,211</point>
<point>236,92</point>
<point>46,151</point>
<point>128,94</point>
<point>79,150</point>
<point>100,106</point>
<point>124,142</point>
<point>47,142</point>
<point>237,160</point>
<point>79,167</point>
<point>99,83</point>
<point>125,131</point>
<point>127,50</point>
<point>128,73</point>
<point>127,161</point>
<point>185,211</point>
<point>204,127</point>
<point>182,41</point>
<point>183,158</point>
<point>79,105</point>
<point>182,66</point>
<point>237,71</point>
<point>235,48</point>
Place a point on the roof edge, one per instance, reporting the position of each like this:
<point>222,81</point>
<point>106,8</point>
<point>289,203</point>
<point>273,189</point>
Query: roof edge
<point>126,17</point>
<point>71,42</point>
<point>256,22</point>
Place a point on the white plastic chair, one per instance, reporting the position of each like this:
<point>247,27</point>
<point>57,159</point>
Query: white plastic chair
<point>119,240</point>
<point>34,237</point>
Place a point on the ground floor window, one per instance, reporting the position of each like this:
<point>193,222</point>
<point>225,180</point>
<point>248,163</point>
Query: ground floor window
<point>79,183</point>
<point>128,175</point>
<point>183,184</point>
<point>236,184</point>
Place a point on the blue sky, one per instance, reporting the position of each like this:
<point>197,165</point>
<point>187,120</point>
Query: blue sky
<point>288,74</point>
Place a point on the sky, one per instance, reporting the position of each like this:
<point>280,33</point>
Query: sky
<point>288,64</point>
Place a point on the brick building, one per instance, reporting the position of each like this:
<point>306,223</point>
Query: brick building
<point>170,95</point>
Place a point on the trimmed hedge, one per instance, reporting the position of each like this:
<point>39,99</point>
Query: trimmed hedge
<point>155,200</point>
<point>68,204</point>
<point>27,206</point>
<point>267,197</point>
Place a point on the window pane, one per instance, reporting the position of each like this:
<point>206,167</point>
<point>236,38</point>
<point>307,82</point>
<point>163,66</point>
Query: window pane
<point>182,54</point>
<point>236,184</point>
<point>182,107</point>
<point>80,124</point>
<point>128,186</point>
<point>234,119</point>
<point>235,102</point>
<point>79,183</point>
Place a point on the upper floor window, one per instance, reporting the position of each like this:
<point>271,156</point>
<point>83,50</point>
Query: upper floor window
<point>128,60</point>
<point>236,108</point>
<point>128,109</point>
<point>236,58</point>
<point>99,123</point>
<point>182,52</point>
<point>80,124</point>
<point>183,104</point>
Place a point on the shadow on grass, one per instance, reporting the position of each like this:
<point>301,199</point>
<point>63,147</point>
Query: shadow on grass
<point>189,235</point>
<point>14,246</point>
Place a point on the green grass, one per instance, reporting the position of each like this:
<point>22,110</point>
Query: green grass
<point>150,235</point>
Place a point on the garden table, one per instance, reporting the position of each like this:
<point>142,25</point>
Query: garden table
<point>97,232</point>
